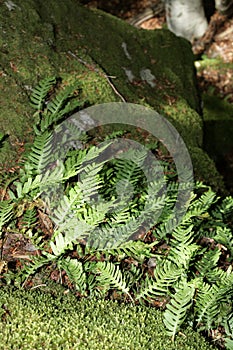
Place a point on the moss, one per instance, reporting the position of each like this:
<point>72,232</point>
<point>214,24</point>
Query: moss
<point>57,320</point>
<point>218,123</point>
<point>186,121</point>
<point>205,167</point>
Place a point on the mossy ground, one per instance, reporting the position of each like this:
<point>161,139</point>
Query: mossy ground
<point>54,319</point>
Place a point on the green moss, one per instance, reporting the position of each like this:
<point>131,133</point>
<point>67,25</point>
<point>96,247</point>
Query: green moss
<point>205,167</point>
<point>186,121</point>
<point>57,320</point>
<point>218,126</point>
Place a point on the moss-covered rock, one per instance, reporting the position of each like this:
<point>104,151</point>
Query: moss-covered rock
<point>108,59</point>
<point>218,123</point>
<point>53,319</point>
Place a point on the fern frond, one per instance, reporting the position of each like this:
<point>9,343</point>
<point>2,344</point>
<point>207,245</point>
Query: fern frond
<point>133,249</point>
<point>225,237</point>
<point>207,306</point>
<point>208,262</point>
<point>176,310</point>
<point>214,301</point>
<point>75,272</point>
<point>40,92</point>
<point>57,103</point>
<point>29,218</point>
<point>200,206</point>
<point>41,153</point>
<point>182,253</point>
<point>165,275</point>
<point>31,184</point>
<point>228,326</point>
<point>36,263</point>
<point>109,236</point>
<point>90,182</point>
<point>6,212</point>
<point>183,233</point>
<point>61,242</point>
<point>111,276</point>
<point>224,209</point>
<point>67,206</point>
<point>59,107</point>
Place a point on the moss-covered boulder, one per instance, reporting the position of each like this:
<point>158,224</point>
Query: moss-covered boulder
<point>108,59</point>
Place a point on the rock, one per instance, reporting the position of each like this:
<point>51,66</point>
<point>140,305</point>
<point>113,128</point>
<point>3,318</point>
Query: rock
<point>108,59</point>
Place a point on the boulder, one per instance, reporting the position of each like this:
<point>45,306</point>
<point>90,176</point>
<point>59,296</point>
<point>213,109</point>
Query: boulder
<point>107,58</point>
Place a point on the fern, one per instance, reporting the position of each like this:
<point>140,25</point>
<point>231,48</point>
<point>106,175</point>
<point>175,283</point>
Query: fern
<point>182,253</point>
<point>228,323</point>
<point>59,107</point>
<point>40,155</point>
<point>183,233</point>
<point>110,219</point>
<point>176,310</point>
<point>199,208</point>
<point>134,249</point>
<point>210,299</point>
<point>75,272</point>
<point>61,244</point>
<point>225,237</point>
<point>111,276</point>
<point>6,212</point>
<point>29,218</point>
<point>35,265</point>
<point>40,92</point>
<point>208,263</point>
<point>165,275</point>
<point>223,210</point>
<point>206,307</point>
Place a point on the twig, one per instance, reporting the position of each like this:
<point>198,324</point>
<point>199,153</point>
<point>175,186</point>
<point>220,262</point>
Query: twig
<point>39,285</point>
<point>98,71</point>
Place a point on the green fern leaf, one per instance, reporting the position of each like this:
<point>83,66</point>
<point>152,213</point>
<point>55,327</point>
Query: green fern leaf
<point>36,263</point>
<point>228,326</point>
<point>60,106</point>
<point>111,275</point>
<point>75,272</point>
<point>40,92</point>
<point>183,233</point>
<point>41,153</point>
<point>62,243</point>
<point>182,253</point>
<point>225,237</point>
<point>208,262</point>
<point>207,307</point>
<point>199,207</point>
<point>165,275</point>
<point>6,212</point>
<point>176,310</point>
<point>133,249</point>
